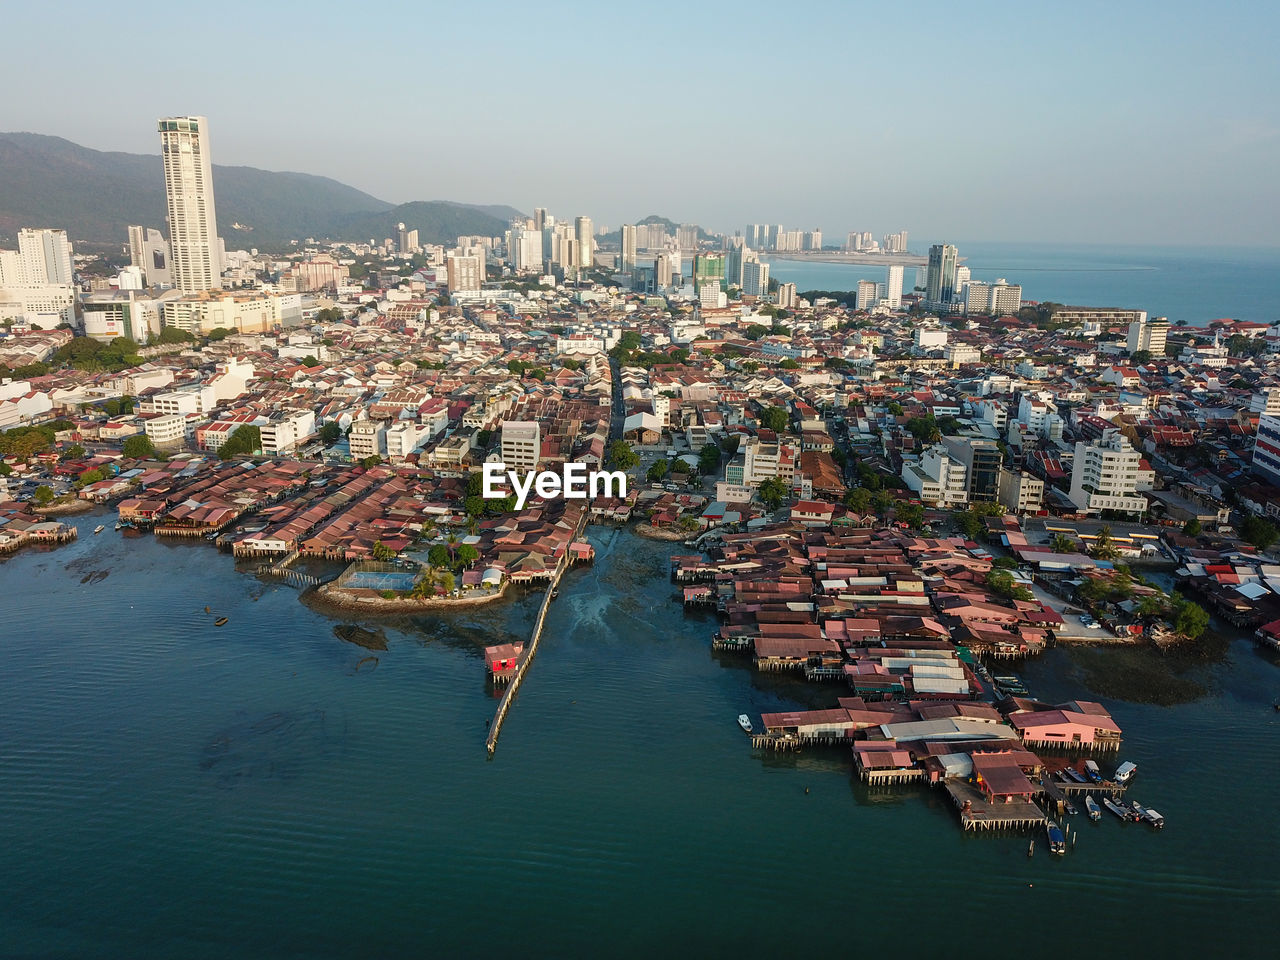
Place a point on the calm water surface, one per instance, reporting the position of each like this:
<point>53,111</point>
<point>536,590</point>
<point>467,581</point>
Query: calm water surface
<point>173,789</point>
<point>1181,283</point>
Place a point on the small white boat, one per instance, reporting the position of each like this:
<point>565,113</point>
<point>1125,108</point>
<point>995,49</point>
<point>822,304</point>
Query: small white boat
<point>98,529</point>
<point>744,722</point>
<point>1124,772</point>
<point>1153,817</point>
<point>1095,814</point>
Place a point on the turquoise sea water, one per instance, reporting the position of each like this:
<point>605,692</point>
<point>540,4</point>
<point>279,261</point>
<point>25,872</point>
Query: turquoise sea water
<point>1196,285</point>
<point>173,789</point>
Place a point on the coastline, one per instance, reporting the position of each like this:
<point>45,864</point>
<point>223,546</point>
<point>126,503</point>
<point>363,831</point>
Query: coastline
<point>863,259</point>
<point>658,533</point>
<point>66,509</point>
<point>367,601</point>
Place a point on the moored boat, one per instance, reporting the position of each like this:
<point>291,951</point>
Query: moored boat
<point>744,722</point>
<point>1124,773</point>
<point>98,529</point>
<point>1057,842</point>
<point>1091,805</point>
<point>1091,770</point>
<point>1122,812</point>
<point>1071,808</point>
<point>220,622</point>
<point>1154,818</point>
<point>1076,775</point>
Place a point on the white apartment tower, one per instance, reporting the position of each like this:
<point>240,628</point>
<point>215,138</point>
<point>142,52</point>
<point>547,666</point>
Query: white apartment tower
<point>893,295</point>
<point>1149,335</point>
<point>1104,475</point>
<point>193,223</point>
<point>45,256</point>
<point>628,264</point>
<point>586,241</point>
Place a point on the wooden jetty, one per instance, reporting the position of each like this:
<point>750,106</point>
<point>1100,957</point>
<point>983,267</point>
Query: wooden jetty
<point>977,813</point>
<point>531,648</point>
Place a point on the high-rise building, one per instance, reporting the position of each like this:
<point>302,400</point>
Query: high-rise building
<point>45,256</point>
<point>1149,335</point>
<point>539,218</point>
<point>734,259</point>
<point>895,242</point>
<point>893,293</point>
<point>1266,450</point>
<point>687,236</point>
<point>586,241</point>
<point>662,271</point>
<point>525,250</point>
<point>755,278</point>
<point>149,251</point>
<point>707,267</point>
<point>1104,475</point>
<point>521,444</point>
<point>998,299</point>
<point>785,296</point>
<point>940,282</point>
<point>196,260</point>
<point>465,273</point>
<point>628,258</point>
<point>962,277</point>
<point>867,290</point>
<point>982,460</point>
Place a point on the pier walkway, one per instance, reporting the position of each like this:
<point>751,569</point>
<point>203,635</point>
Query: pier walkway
<point>531,648</point>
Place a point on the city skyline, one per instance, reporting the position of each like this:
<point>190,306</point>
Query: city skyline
<point>1085,154</point>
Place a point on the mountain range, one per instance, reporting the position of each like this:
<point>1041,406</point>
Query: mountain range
<point>95,195</point>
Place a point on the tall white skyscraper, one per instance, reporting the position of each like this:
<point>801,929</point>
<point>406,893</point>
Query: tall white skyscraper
<point>893,296</point>
<point>193,223</point>
<point>628,263</point>
<point>45,256</point>
<point>755,278</point>
<point>867,290</point>
<point>586,241</point>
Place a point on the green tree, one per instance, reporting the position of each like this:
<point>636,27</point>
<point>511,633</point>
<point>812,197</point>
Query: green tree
<point>755,331</point>
<point>912,514</point>
<point>138,447</point>
<point>1258,531</point>
<point>73,452</point>
<point>709,458</point>
<point>858,499</point>
<point>330,433</point>
<point>5,469</point>
<point>924,429</point>
<point>1191,528</point>
<point>1061,543</point>
<point>381,551</point>
<point>772,492</point>
<point>657,471</point>
<point>1104,547</point>
<point>372,461</point>
<point>775,419</point>
<point>1189,619</point>
<point>622,456</point>
<point>475,506</point>
<point>220,333</point>
<point>309,361</point>
<point>970,523</point>
<point>245,439</point>
<point>438,556</point>
<point>43,495</point>
<point>789,364</point>
<point>467,555</point>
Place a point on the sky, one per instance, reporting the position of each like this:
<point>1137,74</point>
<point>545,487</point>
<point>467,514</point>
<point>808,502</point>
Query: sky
<point>1145,123</point>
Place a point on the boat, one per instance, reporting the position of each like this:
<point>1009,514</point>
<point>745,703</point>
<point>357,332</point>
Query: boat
<point>119,524</point>
<point>1139,811</point>
<point>98,529</point>
<point>1091,805</point>
<point>1076,775</point>
<point>744,722</point>
<point>1154,818</point>
<point>1122,812</point>
<point>555,593</point>
<point>1057,842</point>
<point>1092,771</point>
<point>1124,773</point>
<point>221,621</point>
<point>1070,807</point>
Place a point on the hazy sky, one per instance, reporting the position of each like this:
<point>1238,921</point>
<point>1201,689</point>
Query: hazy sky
<point>1135,122</point>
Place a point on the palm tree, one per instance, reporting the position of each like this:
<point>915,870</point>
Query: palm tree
<point>1104,547</point>
<point>1061,543</point>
